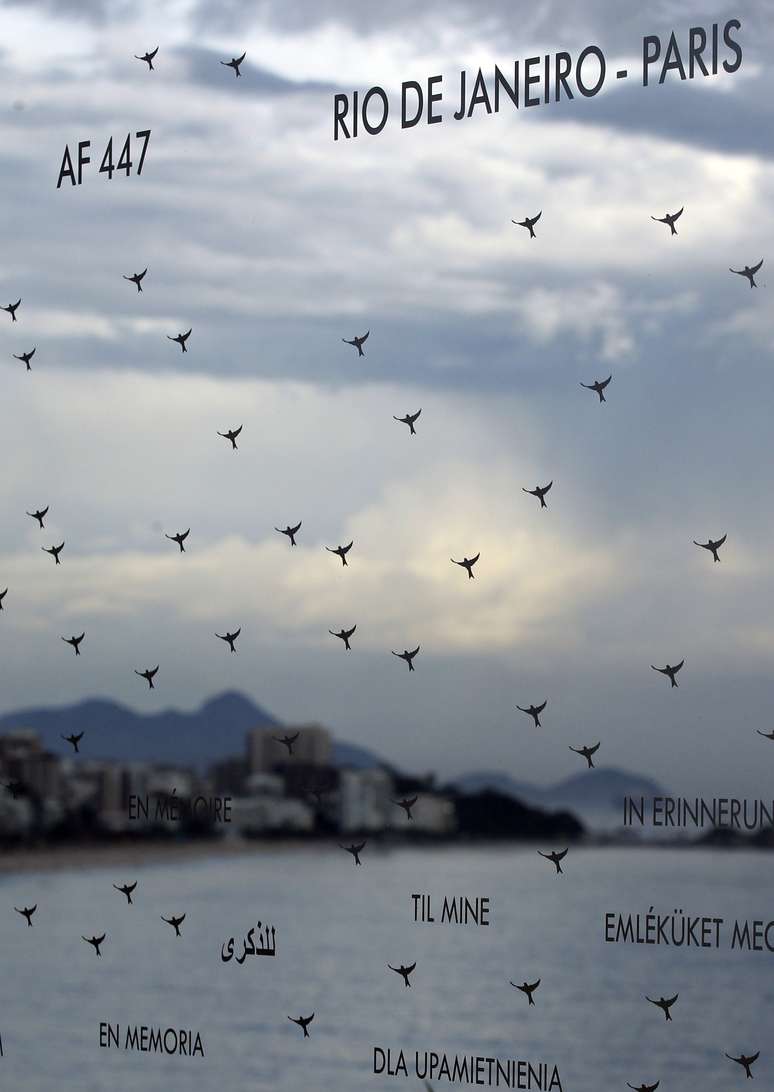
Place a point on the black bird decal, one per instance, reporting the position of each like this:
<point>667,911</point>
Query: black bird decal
<point>55,551</point>
<point>342,551</point>
<point>176,922</point>
<point>291,532</point>
<point>230,638</point>
<point>302,1021</point>
<point>148,674</point>
<point>587,752</point>
<point>644,1087</point>
<point>528,988</point>
<point>148,58</point>
<point>407,656</point>
<point>75,642</point>
<point>409,420</point>
<point>355,850</point>
<point>766,735</point>
<point>599,386</point>
<point>179,538</point>
<point>357,342</point>
<point>670,672</point>
<point>529,223</point>
<point>39,515</point>
<point>404,971</point>
<point>235,63</point>
<point>344,635</point>
<point>555,857</point>
<point>232,435</point>
<point>95,942</point>
<point>540,492</point>
<point>181,339</point>
<point>467,563</point>
<point>713,547</point>
<point>136,278</point>
<point>26,357</point>
<point>746,1061</point>
<point>287,740</point>
<point>11,309</point>
<point>748,271</point>
<point>669,218</point>
<point>27,913</point>
<point>74,739</point>
<point>534,711</point>
<point>664,1003</point>
<point>2,597</point>
<point>126,889</point>
<point>15,788</point>
<point>406,804</point>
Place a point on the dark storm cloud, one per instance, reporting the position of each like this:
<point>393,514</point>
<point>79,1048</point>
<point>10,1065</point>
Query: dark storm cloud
<point>203,68</point>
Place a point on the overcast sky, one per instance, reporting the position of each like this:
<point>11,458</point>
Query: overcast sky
<point>273,242</point>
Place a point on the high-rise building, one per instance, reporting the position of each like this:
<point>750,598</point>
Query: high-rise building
<point>313,746</point>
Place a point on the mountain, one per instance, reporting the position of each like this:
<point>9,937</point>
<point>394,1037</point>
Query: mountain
<point>214,731</point>
<point>600,789</point>
<point>350,754</point>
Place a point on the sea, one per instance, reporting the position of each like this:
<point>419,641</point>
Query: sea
<point>337,926</point>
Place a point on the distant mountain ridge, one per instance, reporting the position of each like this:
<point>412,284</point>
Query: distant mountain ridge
<point>600,788</point>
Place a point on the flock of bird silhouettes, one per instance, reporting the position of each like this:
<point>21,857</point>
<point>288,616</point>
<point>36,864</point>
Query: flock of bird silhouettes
<point>342,551</point>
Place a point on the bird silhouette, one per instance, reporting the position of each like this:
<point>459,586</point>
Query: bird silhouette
<point>75,642</point>
<point>231,435</point>
<point>528,988</point>
<point>26,357</point>
<point>713,547</point>
<point>302,1021</point>
<point>664,1004</point>
<point>2,597</point>
<point>342,551</point>
<point>599,386</point>
<point>669,218</point>
<point>540,492</point>
<point>175,922</point>
<point>749,272</point>
<point>534,711</point>
<point>746,1061</point>
<point>407,804</point>
<point>529,223</point>
<point>291,532</point>
<point>27,913</point>
<point>136,278</point>
<point>39,515</point>
<point>148,58</point>
<point>467,563</point>
<point>587,752</point>
<point>230,638</point>
<point>11,309</point>
<point>126,889</point>
<point>357,342</point>
<point>181,339</point>
<point>670,672</point>
<point>235,63</point>
<point>404,971</point>
<point>95,942</point>
<point>409,420</point>
<point>355,850</point>
<point>55,551</point>
<point>148,675</point>
<point>644,1087</point>
<point>179,538</point>
<point>288,741</point>
<point>555,857</point>
<point>407,656</point>
<point>15,788</point>
<point>766,735</point>
<point>344,635</point>
<point>74,739</point>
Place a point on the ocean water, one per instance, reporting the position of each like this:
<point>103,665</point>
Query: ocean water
<point>337,927</point>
